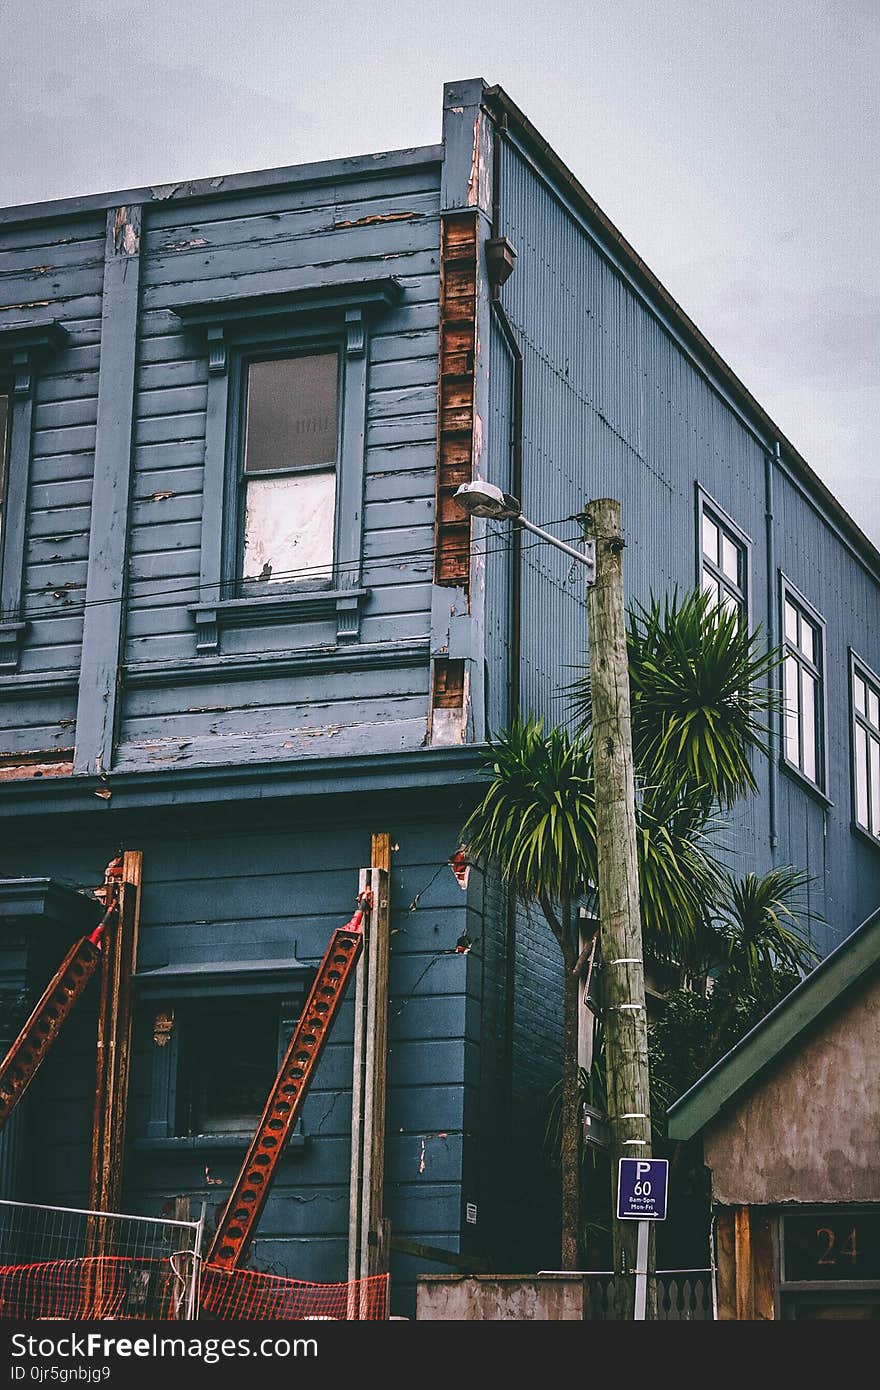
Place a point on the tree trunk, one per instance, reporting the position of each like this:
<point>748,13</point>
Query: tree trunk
<point>569,1149</point>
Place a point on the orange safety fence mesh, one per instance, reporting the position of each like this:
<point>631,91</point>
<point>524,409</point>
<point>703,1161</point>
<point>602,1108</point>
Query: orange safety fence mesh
<point>98,1286</point>
<point>121,1286</point>
<point>246,1293</point>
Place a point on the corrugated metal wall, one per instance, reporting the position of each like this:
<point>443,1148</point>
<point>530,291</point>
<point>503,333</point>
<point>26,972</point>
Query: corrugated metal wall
<point>614,407</point>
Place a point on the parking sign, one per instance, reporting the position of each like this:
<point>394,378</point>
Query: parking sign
<point>641,1189</point>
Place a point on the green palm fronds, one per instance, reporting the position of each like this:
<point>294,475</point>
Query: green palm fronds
<point>699,692</point>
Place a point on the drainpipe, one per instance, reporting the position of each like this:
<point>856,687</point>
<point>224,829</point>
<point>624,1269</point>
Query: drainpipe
<point>770,462</point>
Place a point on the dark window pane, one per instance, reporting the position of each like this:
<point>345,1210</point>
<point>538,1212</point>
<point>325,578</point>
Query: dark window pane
<point>291,413</point>
<point>227,1063</point>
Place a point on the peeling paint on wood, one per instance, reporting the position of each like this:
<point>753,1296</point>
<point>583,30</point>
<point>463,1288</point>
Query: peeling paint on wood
<point>126,233</point>
<point>185,245</point>
<point>36,766</point>
<point>377,218</point>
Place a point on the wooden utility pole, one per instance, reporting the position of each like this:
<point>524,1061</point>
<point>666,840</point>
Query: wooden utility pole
<point>624,1015</point>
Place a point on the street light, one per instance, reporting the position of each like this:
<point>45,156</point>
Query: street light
<point>485,499</point>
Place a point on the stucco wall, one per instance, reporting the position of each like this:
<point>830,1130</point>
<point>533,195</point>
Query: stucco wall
<point>810,1132</point>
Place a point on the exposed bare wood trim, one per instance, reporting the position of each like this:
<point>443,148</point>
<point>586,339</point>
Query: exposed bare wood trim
<point>455,394</point>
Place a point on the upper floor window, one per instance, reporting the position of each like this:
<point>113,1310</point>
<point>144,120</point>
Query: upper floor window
<point>803,665</point>
<point>285,459</point>
<point>289,466</point>
<point>723,560</point>
<point>866,749</point>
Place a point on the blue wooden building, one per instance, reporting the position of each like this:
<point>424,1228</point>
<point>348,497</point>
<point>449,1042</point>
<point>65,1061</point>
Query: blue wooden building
<point>243,626</point>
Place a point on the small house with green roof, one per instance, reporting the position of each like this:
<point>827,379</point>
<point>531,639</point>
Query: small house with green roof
<point>790,1125</point>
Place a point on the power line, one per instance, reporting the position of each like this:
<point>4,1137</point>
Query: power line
<point>307,572</point>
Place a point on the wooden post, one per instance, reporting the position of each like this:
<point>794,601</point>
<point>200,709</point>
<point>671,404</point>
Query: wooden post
<point>378,1232</point>
<point>742,1243</point>
<point>746,1264</point>
<point>356,1173</point>
<point>114,1042</point>
<point>368,1232</point>
<point>625,1018</point>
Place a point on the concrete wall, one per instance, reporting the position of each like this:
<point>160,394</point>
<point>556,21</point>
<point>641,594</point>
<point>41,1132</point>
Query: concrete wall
<point>810,1131</point>
<point>504,1298</point>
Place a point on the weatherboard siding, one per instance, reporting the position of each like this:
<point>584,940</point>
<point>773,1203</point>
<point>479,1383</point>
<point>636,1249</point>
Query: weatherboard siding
<point>53,271</point>
<point>259,243</point>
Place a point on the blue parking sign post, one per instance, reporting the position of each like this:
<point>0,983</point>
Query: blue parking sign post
<point>642,1188</point>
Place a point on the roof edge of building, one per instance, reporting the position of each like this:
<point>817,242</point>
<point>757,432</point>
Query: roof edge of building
<point>498,102</point>
<point>225,185</point>
<point>718,1089</point>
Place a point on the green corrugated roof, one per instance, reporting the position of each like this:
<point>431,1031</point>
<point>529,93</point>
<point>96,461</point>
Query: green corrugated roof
<point>740,1068</point>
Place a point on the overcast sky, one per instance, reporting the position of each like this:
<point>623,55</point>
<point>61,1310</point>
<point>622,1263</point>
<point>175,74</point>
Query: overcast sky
<point>735,143</point>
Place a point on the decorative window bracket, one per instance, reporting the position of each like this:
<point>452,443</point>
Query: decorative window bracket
<point>212,618</point>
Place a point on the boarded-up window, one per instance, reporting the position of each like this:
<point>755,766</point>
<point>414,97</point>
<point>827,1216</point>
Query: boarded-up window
<point>4,430</point>
<point>227,1061</point>
<point>290,453</point>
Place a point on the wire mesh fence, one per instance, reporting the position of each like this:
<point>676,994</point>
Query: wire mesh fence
<point>64,1262</point>
<point>249,1294</point>
<point>67,1263</point>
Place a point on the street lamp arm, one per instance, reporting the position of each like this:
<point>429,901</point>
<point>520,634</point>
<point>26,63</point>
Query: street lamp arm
<point>586,557</point>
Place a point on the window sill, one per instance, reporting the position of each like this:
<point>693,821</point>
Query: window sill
<point>205,1143</point>
<point>288,606</point>
<point>805,784</point>
<point>866,835</point>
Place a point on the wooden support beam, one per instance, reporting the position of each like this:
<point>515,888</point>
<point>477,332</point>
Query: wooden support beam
<point>742,1253</point>
<point>119,957</point>
<point>725,1259</point>
<point>368,1235</point>
<point>377,1228</point>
